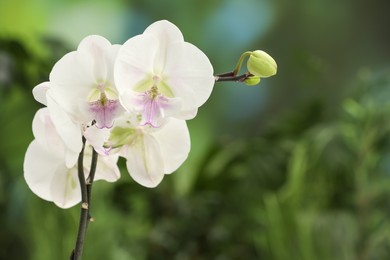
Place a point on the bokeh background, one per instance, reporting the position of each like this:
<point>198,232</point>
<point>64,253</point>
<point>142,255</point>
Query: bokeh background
<point>295,168</point>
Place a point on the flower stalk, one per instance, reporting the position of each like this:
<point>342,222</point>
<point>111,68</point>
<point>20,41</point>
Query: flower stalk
<point>86,193</point>
<point>259,65</point>
<point>229,76</point>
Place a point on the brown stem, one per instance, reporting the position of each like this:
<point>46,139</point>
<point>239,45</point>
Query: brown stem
<point>86,193</point>
<point>240,78</point>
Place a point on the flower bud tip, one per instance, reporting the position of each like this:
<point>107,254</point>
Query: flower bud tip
<point>261,64</point>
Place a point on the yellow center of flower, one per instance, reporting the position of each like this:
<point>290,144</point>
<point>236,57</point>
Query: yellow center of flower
<point>153,92</point>
<point>103,99</point>
<point>102,92</point>
<point>154,85</point>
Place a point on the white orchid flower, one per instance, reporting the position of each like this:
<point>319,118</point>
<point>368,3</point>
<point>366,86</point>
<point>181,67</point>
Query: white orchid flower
<point>81,90</point>
<point>50,168</point>
<point>160,75</point>
<point>151,152</point>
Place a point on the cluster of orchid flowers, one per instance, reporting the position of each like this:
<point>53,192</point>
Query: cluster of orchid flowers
<point>129,100</point>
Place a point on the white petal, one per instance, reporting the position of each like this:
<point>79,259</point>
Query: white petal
<point>96,46</point>
<point>45,132</point>
<point>39,167</point>
<point>72,80</point>
<point>69,132</point>
<point>165,30</point>
<point>107,168</point>
<point>131,101</point>
<point>166,34</point>
<point>174,141</point>
<point>97,137</point>
<point>111,55</point>
<point>65,187</point>
<point>70,158</point>
<point>187,114</point>
<point>39,92</point>
<point>48,137</point>
<point>135,62</point>
<point>144,161</point>
<point>189,74</point>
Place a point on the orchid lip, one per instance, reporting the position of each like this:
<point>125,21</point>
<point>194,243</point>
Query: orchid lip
<point>153,107</point>
<point>104,112</point>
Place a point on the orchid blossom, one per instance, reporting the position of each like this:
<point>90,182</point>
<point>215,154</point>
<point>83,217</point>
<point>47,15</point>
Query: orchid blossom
<point>151,152</point>
<point>160,75</point>
<point>48,174</point>
<point>81,90</point>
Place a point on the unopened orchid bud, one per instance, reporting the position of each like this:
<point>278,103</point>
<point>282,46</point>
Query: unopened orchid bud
<point>261,64</point>
<point>252,80</point>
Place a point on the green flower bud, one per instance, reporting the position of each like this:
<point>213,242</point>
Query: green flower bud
<point>252,80</point>
<point>261,64</point>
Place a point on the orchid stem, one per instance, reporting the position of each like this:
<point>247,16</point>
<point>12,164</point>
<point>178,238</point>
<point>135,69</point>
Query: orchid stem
<point>232,75</point>
<point>86,193</point>
<point>90,181</point>
<point>229,76</point>
<point>226,74</point>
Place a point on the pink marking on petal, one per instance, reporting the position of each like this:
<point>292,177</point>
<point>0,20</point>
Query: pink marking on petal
<point>154,109</point>
<point>104,112</point>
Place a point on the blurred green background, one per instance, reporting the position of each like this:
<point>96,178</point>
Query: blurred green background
<point>296,168</point>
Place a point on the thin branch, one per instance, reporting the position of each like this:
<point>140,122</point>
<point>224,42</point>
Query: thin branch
<point>239,78</point>
<point>78,250</point>
<point>90,179</point>
<point>226,74</point>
